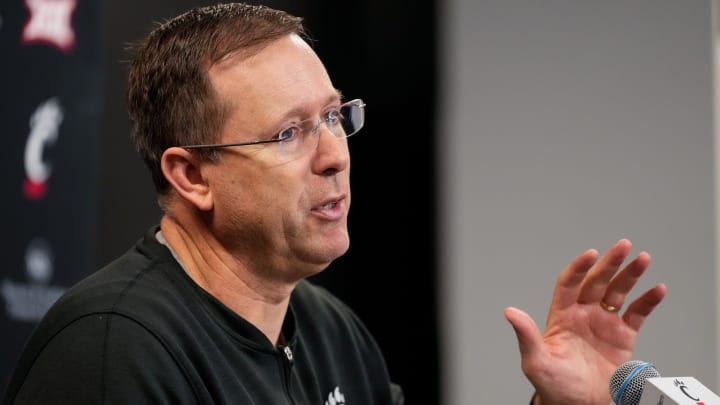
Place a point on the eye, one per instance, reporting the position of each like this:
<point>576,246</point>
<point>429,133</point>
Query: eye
<point>333,116</point>
<point>287,134</point>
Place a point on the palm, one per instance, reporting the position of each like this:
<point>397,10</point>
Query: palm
<point>583,343</point>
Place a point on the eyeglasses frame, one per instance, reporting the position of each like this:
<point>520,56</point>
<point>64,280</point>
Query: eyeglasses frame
<point>357,102</point>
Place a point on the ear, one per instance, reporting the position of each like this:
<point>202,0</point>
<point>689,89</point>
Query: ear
<point>182,169</point>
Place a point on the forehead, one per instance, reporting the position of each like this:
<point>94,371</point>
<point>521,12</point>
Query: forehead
<point>285,74</point>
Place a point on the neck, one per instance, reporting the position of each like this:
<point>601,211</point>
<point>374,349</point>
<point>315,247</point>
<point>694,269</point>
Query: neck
<point>252,293</point>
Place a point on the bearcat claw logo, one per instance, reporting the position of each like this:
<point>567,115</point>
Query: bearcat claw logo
<point>50,22</point>
<point>685,390</point>
<point>44,126</point>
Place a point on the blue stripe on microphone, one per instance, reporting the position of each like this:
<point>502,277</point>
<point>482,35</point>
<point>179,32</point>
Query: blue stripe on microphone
<point>627,380</point>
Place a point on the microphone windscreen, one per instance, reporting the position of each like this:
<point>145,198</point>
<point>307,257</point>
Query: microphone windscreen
<point>628,381</point>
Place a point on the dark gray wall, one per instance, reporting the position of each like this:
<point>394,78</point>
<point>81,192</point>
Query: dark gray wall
<point>567,125</point>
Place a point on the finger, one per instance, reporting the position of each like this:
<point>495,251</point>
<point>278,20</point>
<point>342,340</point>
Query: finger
<point>571,278</point>
<point>527,332</point>
<point>594,285</point>
<point>621,285</point>
<point>638,311</point>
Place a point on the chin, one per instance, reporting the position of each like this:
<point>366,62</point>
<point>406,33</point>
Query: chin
<point>328,253</point>
<point>341,247</point>
<point>333,252</point>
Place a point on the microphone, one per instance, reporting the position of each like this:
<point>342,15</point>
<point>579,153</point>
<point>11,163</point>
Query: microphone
<point>639,383</point>
<point>628,381</point>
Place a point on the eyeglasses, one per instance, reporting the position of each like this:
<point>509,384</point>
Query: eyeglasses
<point>342,121</point>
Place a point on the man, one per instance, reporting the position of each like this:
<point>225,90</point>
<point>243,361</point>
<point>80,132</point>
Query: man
<point>246,140</point>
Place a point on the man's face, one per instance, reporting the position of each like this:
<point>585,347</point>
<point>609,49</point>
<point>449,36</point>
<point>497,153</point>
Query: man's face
<point>287,216</point>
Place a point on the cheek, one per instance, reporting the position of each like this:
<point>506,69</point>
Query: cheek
<point>268,193</point>
<point>288,196</point>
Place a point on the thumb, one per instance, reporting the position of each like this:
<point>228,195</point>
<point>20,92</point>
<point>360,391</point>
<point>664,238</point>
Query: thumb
<point>526,330</point>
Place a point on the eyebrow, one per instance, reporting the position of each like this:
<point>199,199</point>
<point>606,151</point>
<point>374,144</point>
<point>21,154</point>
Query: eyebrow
<point>301,110</point>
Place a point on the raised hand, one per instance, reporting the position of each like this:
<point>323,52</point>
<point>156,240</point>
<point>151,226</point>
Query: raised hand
<point>586,337</point>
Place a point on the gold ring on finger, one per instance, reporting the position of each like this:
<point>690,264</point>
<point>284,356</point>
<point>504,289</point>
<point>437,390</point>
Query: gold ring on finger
<point>609,308</point>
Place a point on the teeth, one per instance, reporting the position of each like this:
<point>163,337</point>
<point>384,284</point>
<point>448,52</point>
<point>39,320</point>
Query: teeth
<point>329,205</point>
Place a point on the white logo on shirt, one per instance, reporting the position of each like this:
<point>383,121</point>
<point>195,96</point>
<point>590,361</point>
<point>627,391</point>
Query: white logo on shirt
<point>335,397</point>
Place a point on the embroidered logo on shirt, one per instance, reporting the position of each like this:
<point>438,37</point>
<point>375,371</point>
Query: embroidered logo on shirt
<point>335,397</point>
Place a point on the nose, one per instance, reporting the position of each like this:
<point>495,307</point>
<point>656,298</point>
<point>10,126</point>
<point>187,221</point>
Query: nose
<point>331,154</point>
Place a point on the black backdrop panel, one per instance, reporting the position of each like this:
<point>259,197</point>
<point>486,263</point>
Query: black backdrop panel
<point>50,108</point>
<point>383,52</point>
